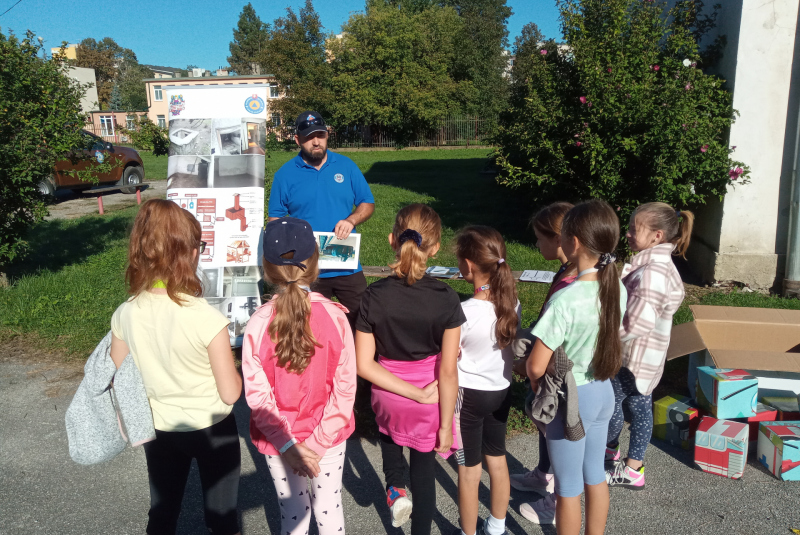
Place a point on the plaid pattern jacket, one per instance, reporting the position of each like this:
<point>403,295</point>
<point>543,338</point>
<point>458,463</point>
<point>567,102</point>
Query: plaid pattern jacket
<point>655,291</point>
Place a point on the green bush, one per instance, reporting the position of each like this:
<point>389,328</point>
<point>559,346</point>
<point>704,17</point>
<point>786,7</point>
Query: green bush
<point>623,112</point>
<point>147,135</point>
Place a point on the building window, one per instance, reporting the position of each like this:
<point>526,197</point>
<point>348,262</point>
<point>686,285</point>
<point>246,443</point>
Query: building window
<point>106,125</point>
<point>276,119</point>
<point>130,122</point>
<point>273,90</point>
<point>162,121</point>
<point>157,95</point>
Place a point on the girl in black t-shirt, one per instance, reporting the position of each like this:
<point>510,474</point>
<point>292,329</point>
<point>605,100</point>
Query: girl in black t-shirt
<point>414,323</point>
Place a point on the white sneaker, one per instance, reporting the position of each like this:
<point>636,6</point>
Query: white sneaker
<point>400,505</point>
<point>541,511</point>
<point>535,480</point>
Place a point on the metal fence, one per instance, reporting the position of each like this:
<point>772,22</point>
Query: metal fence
<point>109,132</point>
<point>461,130</point>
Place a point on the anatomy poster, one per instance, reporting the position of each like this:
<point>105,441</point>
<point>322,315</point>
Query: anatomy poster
<point>215,172</point>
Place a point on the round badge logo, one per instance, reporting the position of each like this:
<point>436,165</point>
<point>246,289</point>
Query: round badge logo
<point>339,177</point>
<point>99,156</point>
<point>254,104</point>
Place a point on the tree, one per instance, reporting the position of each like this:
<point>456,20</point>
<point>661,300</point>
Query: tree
<point>105,57</point>
<point>115,102</point>
<point>132,87</point>
<point>295,53</point>
<point>526,46</point>
<point>249,41</point>
<point>147,135</point>
<point>39,125</point>
<point>392,68</point>
<point>626,114</point>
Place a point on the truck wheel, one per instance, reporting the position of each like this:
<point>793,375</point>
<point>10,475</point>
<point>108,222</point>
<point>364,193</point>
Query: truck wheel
<point>46,187</point>
<point>133,176</point>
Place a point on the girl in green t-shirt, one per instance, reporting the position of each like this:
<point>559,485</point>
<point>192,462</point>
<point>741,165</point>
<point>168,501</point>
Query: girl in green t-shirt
<point>584,318</point>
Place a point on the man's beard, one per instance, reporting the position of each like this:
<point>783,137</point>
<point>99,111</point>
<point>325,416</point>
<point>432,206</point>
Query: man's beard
<point>310,158</point>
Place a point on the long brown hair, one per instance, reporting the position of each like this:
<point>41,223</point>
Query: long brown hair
<point>163,243</point>
<point>412,259</point>
<point>677,226</point>
<point>484,247</point>
<point>596,226</point>
<point>548,220</point>
<point>290,328</point>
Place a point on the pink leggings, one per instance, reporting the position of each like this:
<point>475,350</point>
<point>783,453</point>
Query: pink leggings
<point>325,495</point>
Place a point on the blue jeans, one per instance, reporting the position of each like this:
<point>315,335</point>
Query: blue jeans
<point>581,462</point>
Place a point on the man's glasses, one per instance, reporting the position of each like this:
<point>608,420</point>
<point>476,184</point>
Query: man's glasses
<point>202,247</point>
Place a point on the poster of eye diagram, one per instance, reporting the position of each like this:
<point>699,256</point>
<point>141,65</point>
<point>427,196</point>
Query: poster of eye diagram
<point>215,171</point>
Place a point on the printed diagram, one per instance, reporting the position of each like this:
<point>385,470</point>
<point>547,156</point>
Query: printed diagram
<point>239,252</point>
<point>338,254</point>
<point>190,137</point>
<point>237,212</point>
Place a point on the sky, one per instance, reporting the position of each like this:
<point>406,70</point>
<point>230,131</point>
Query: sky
<point>176,34</point>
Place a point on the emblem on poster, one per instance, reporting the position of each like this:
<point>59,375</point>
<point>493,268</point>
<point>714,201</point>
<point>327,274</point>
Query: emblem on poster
<point>254,104</point>
<point>176,105</point>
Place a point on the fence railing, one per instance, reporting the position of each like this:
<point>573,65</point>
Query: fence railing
<point>450,131</point>
<point>110,133</point>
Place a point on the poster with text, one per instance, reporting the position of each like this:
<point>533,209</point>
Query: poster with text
<point>215,171</point>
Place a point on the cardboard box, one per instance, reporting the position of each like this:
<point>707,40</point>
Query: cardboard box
<point>757,339</point>
<point>786,406</point>
<point>764,413</point>
<point>720,447</point>
<point>675,420</point>
<point>726,393</point>
<point>779,449</point>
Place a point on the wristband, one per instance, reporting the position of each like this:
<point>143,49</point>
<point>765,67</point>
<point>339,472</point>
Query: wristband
<point>288,445</point>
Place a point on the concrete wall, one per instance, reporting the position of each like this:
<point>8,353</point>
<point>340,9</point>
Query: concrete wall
<point>85,75</point>
<point>738,238</point>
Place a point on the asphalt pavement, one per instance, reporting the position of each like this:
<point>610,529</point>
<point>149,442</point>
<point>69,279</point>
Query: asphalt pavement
<point>42,491</point>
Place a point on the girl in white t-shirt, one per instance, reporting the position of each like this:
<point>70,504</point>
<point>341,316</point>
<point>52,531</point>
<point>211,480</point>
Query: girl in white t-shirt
<point>484,375</point>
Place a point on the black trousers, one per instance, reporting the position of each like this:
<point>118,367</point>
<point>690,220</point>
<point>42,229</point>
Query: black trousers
<point>169,459</point>
<point>348,290</point>
<point>423,481</point>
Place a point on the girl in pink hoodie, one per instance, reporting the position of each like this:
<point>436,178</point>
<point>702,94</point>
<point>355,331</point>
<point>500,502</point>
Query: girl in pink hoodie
<point>299,367</point>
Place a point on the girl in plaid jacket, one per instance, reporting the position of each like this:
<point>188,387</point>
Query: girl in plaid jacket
<point>655,291</point>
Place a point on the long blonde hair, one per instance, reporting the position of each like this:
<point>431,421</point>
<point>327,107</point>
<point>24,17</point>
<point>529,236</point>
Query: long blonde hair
<point>290,328</point>
<point>412,258</point>
<point>676,226</point>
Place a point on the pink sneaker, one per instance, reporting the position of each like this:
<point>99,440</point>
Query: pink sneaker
<point>612,454</point>
<point>535,480</point>
<point>621,475</point>
<point>541,511</point>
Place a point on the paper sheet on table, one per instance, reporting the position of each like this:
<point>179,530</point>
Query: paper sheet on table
<point>532,275</point>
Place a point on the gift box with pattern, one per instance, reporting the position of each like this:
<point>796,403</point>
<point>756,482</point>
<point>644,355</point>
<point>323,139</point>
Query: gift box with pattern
<point>779,449</point>
<point>726,393</point>
<point>675,420</point>
<point>720,447</point>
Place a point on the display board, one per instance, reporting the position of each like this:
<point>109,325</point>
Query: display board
<point>215,171</point>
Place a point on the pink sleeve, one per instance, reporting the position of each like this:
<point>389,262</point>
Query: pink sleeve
<point>257,390</point>
<point>339,409</point>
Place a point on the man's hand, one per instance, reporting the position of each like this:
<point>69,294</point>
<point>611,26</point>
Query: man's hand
<point>343,229</point>
<point>444,439</point>
<point>302,460</point>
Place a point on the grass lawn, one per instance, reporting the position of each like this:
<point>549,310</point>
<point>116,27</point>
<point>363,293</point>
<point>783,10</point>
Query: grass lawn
<point>62,296</point>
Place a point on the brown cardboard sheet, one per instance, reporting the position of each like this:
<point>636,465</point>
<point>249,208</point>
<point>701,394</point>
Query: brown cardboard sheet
<point>749,338</point>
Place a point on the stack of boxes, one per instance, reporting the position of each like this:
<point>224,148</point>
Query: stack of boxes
<point>745,406</point>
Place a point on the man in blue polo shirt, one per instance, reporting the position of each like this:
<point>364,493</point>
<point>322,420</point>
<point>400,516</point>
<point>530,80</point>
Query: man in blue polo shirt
<point>323,188</point>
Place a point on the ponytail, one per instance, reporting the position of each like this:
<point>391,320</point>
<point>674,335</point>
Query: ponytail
<point>290,328</point>
<point>676,225</point>
<point>596,226</point>
<point>484,247</point>
<point>416,233</point>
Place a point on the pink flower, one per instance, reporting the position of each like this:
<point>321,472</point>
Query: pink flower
<point>733,148</point>
<point>583,100</point>
<point>694,64</point>
<point>618,208</point>
<point>704,148</point>
<point>735,173</point>
<point>586,125</point>
<point>656,68</point>
<point>543,52</point>
<point>685,127</point>
<point>577,135</point>
<point>609,69</point>
<point>688,87</point>
<point>589,104</point>
<point>578,143</point>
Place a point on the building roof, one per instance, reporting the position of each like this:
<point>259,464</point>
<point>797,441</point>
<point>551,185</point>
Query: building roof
<point>240,77</point>
<point>162,69</point>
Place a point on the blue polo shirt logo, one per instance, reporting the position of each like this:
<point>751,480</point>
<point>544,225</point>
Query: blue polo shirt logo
<point>339,177</point>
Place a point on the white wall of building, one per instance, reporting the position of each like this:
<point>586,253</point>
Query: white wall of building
<point>85,75</point>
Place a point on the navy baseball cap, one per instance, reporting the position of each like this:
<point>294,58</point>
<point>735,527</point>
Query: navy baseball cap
<point>309,122</point>
<point>288,235</point>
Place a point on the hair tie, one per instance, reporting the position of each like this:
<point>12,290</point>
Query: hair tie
<point>501,261</point>
<point>606,259</point>
<point>678,213</point>
<point>410,234</point>
<point>290,282</point>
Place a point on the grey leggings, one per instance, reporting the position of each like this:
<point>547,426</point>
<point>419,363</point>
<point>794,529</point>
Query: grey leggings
<point>641,409</point>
